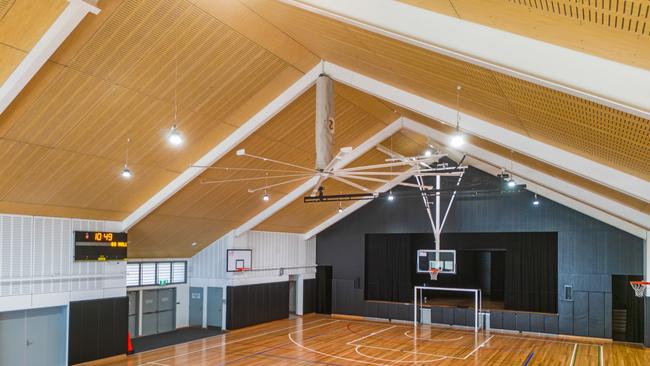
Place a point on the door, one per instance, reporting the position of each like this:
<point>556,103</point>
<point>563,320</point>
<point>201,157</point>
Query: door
<point>196,306</point>
<point>166,310</point>
<point>292,296</point>
<point>215,306</point>
<point>33,337</point>
<point>133,313</point>
<point>149,312</point>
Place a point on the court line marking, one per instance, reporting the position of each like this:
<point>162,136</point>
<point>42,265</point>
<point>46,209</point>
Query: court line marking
<point>290,335</point>
<point>351,343</point>
<point>433,339</point>
<point>356,349</point>
<point>601,359</point>
<point>530,357</point>
<point>238,340</point>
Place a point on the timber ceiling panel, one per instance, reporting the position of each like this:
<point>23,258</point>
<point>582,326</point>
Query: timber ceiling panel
<point>594,131</point>
<point>615,29</point>
<point>117,77</point>
<point>22,24</point>
<point>289,137</point>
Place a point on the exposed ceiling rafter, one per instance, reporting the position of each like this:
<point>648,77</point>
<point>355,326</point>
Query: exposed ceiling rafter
<point>71,16</point>
<point>576,164</point>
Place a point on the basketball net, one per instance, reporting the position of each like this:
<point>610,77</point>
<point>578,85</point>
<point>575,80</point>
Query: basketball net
<point>639,287</point>
<point>433,272</point>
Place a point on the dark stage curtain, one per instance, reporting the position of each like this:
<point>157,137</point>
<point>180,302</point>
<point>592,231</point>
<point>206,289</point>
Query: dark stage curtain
<point>531,273</point>
<point>388,267</point>
<point>634,324</point>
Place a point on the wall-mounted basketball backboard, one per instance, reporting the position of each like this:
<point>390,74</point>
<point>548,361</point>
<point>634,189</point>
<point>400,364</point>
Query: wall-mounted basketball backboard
<point>444,260</point>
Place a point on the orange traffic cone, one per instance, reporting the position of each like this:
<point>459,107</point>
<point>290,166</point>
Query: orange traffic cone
<point>129,347</point>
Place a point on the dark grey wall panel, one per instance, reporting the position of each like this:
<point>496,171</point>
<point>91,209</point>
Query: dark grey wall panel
<point>597,314</point>
<point>523,322</point>
<point>551,324</point>
<point>436,315</point>
<point>496,320</point>
<point>255,304</point>
<point>589,251</point>
<point>608,314</point>
<point>448,316</point>
<point>537,323</point>
<point>647,323</point>
<point>581,313</point>
<point>460,316</point>
<point>509,320</point>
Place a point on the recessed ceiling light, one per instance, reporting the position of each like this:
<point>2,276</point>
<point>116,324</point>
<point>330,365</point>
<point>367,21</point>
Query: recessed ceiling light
<point>175,137</point>
<point>194,244</point>
<point>266,196</point>
<point>511,183</point>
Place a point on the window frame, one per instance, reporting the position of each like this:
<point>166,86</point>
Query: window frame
<point>172,281</point>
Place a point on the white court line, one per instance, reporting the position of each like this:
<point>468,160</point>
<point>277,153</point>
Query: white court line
<point>479,346</point>
<point>573,355</point>
<point>351,343</point>
<point>433,339</point>
<point>405,351</point>
<point>356,349</point>
<point>238,340</point>
<point>334,356</point>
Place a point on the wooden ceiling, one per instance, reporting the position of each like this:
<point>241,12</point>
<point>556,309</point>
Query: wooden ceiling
<point>115,78</point>
<point>289,136</point>
<point>618,30</point>
<point>63,140</point>
<point>597,132</point>
<point>22,24</point>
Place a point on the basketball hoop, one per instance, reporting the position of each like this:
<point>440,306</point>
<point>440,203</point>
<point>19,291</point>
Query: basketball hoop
<point>433,272</point>
<point>639,287</point>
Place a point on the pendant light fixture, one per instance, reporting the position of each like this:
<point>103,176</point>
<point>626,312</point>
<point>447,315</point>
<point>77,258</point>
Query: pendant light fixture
<point>126,172</point>
<point>174,136</point>
<point>458,139</point>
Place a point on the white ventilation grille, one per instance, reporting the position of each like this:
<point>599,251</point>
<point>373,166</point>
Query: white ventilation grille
<point>132,274</point>
<point>179,270</point>
<point>164,271</point>
<point>147,274</point>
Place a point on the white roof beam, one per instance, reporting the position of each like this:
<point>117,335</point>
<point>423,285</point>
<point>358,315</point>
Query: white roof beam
<point>618,85</point>
<point>222,148</point>
<point>600,173</point>
<point>67,21</point>
<point>568,194</point>
<point>366,146</point>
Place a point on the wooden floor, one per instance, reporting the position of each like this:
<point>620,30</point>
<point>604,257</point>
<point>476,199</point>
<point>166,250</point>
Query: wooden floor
<point>320,340</point>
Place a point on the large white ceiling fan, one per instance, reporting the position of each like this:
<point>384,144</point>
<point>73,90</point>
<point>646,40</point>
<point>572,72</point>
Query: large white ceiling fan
<point>281,172</point>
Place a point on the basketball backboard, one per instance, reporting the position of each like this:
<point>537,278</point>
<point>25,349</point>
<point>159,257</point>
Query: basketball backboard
<point>444,260</point>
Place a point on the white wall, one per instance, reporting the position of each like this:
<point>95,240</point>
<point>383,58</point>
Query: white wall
<point>37,268</point>
<point>271,251</point>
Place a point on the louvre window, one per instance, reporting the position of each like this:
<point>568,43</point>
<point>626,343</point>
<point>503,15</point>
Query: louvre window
<point>147,274</point>
<point>179,269</point>
<point>164,272</point>
<point>133,274</point>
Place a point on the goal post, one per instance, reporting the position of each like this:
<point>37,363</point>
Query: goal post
<point>417,301</point>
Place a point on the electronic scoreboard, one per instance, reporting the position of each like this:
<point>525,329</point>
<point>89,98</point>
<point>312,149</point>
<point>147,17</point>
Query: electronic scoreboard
<point>99,246</point>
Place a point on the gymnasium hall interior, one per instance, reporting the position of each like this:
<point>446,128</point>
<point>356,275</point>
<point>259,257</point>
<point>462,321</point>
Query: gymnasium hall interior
<point>325,182</point>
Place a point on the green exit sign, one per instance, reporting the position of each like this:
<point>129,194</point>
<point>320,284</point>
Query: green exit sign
<point>163,282</point>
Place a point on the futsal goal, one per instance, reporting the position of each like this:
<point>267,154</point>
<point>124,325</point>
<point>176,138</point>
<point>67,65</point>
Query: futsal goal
<point>420,302</point>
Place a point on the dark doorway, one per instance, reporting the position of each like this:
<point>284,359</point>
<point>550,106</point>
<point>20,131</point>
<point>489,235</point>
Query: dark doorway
<point>627,310</point>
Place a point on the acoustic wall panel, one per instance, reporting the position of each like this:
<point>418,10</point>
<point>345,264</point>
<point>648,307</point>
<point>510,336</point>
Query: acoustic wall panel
<point>254,304</point>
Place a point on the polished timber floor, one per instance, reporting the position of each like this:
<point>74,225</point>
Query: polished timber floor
<point>321,340</point>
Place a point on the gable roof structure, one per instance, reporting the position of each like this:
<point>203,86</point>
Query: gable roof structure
<point>245,74</point>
